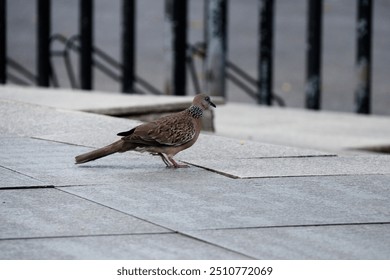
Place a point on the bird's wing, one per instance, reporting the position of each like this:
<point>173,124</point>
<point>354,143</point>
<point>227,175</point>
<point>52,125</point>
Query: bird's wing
<point>173,130</point>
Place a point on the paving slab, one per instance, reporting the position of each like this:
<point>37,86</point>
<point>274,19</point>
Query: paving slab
<point>213,202</point>
<point>126,247</point>
<point>296,166</point>
<point>79,128</point>
<point>32,213</point>
<point>207,147</point>
<point>349,242</point>
<point>25,156</point>
<point>224,149</point>
<point>12,179</point>
<point>53,164</point>
<point>324,130</point>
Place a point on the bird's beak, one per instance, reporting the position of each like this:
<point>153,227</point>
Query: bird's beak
<point>212,104</point>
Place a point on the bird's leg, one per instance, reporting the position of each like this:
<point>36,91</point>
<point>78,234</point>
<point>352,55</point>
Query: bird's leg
<point>165,160</point>
<point>175,164</point>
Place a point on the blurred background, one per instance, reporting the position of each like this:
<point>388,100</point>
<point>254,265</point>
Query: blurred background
<point>289,69</point>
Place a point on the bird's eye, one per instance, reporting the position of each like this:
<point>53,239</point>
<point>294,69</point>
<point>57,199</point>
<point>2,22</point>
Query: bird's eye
<point>207,98</point>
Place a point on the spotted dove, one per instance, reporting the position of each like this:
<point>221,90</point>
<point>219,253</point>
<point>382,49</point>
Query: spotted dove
<point>164,137</point>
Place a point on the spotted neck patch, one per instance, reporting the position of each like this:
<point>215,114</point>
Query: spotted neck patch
<point>195,112</point>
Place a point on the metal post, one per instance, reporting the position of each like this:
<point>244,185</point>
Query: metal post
<point>265,63</point>
<point>363,60</point>
<point>175,46</point>
<point>3,42</point>
<point>128,46</point>
<point>314,34</point>
<point>216,47</point>
<point>43,43</point>
<point>86,43</point>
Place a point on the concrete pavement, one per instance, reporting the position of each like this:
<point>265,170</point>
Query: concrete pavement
<point>240,199</point>
<point>321,130</point>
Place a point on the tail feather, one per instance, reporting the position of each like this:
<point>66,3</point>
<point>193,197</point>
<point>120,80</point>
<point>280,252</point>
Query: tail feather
<point>99,153</point>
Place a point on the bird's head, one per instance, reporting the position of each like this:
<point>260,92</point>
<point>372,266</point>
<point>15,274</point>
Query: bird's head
<point>203,101</point>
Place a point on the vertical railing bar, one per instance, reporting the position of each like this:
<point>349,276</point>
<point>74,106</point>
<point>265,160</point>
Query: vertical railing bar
<point>128,45</point>
<point>216,47</point>
<point>43,42</point>
<point>313,52</point>
<point>3,41</point>
<point>86,43</point>
<point>180,11</point>
<point>175,46</point>
<point>168,46</point>
<point>265,61</point>
<point>53,75</point>
<point>363,57</point>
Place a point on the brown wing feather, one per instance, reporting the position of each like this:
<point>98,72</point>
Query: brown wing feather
<point>173,130</point>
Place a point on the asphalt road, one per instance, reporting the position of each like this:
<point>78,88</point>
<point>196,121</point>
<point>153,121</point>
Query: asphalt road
<point>289,70</point>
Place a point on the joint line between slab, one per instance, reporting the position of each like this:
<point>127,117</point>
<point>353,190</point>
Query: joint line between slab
<point>82,236</point>
<point>41,138</point>
<point>27,187</point>
<point>298,226</point>
<point>20,173</point>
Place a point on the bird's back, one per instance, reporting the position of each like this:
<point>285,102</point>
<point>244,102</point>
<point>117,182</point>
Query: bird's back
<point>173,130</point>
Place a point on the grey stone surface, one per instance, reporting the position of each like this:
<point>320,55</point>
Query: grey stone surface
<point>212,202</point>
<point>319,242</point>
<point>53,164</point>
<point>298,166</point>
<point>130,206</point>
<point>73,127</point>
<point>12,179</point>
<point>128,247</point>
<point>50,212</point>
<point>329,131</point>
<point>211,147</point>
<point>25,156</point>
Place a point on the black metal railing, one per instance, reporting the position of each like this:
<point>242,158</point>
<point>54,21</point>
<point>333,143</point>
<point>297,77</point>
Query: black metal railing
<point>363,60</point>
<point>43,42</point>
<point>3,42</point>
<point>180,55</point>
<point>100,60</point>
<point>313,59</point>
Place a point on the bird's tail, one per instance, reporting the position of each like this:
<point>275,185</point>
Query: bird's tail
<point>99,153</point>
